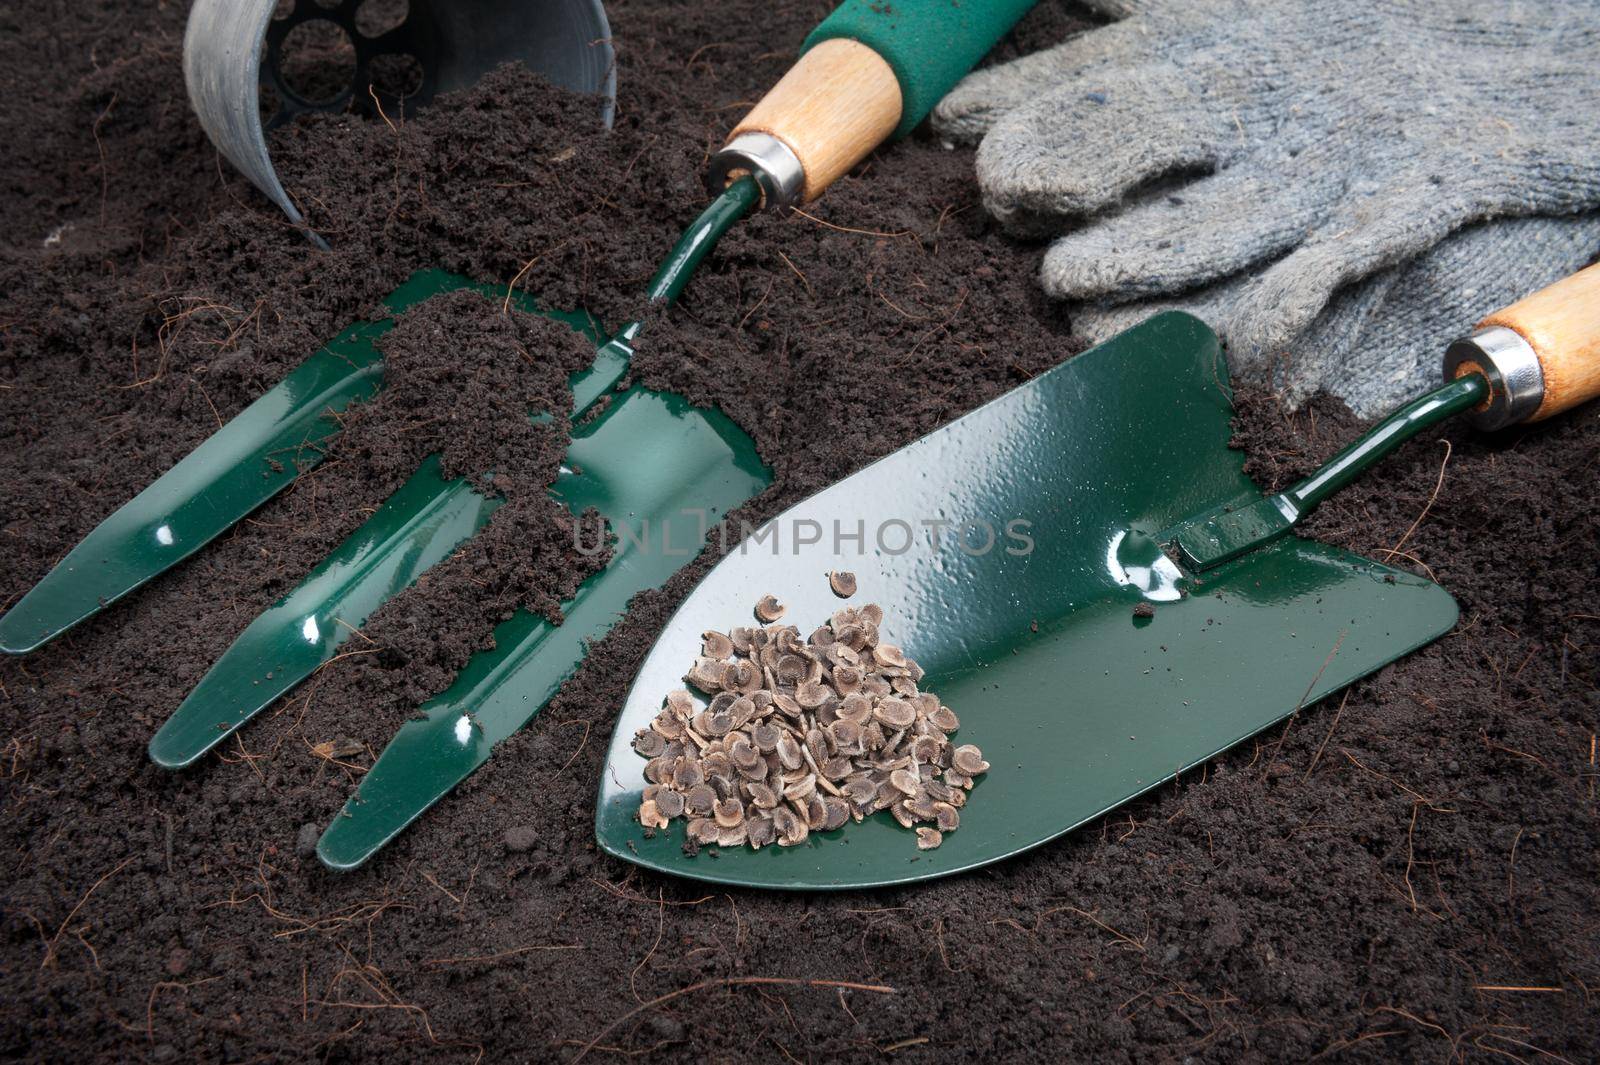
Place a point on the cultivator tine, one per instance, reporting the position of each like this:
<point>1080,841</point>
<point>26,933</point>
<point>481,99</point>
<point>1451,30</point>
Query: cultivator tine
<point>662,501</point>
<point>415,529</point>
<point>240,466</point>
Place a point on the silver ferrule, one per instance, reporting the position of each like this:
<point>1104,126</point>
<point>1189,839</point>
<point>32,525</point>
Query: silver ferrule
<point>773,164</point>
<point>1516,381</point>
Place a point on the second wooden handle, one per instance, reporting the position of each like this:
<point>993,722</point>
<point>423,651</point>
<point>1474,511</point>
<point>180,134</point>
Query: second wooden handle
<point>1561,324</point>
<point>835,105</point>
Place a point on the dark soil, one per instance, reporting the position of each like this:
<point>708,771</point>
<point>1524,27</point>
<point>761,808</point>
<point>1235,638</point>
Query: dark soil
<point>1407,873</point>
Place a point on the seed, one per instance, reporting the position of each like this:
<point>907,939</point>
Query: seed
<point>670,803</point>
<point>816,813</point>
<point>797,736</point>
<point>650,815</point>
<point>699,801</point>
<point>846,679</point>
<point>925,749</point>
<point>803,788</point>
<point>789,752</point>
<point>860,790</point>
<point>792,669</point>
<point>895,713</point>
<point>846,734</point>
<point>657,770</point>
<point>716,764</point>
<point>706,675</point>
<point>709,724</point>
<point>901,813</point>
<point>742,710</point>
<point>887,654</point>
<point>872,737</point>
<point>873,684</point>
<point>765,738</point>
<point>703,830</point>
<point>855,708</point>
<point>729,812</point>
<point>743,753</point>
<point>742,677</point>
<point>687,774</point>
<point>835,812</point>
<point>968,760</point>
<point>791,829</point>
<point>759,832</point>
<point>841,655</point>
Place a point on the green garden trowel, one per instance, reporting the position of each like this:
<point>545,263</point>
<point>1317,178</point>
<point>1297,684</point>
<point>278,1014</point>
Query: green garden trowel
<point>1109,601</point>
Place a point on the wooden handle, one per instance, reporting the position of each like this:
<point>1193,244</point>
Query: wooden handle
<point>840,101</point>
<point>1562,325</point>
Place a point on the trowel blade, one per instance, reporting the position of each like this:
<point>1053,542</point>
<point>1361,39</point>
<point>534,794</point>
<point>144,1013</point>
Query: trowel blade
<point>1050,501</point>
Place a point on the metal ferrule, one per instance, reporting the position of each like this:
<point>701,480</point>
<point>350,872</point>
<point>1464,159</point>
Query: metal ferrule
<point>1516,380</point>
<point>773,164</point>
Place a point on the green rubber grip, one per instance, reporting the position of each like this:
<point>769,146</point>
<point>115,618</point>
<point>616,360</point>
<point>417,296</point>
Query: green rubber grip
<point>929,44</point>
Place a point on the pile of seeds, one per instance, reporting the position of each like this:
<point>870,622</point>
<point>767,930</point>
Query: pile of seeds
<point>803,735</point>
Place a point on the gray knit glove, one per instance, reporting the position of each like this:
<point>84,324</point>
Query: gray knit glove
<point>1306,147</point>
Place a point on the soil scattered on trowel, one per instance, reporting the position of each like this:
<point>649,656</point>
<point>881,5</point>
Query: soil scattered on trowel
<point>802,736</point>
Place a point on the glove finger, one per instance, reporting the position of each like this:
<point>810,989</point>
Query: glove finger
<point>1367,232</point>
<point>1210,229</point>
<point>1099,322</point>
<point>1082,147</point>
<point>984,96</point>
<point>1379,342</point>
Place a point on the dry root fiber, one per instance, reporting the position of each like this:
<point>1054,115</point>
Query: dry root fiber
<point>803,735</point>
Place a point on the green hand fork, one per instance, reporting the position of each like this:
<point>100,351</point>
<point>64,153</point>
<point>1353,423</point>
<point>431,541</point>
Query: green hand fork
<point>864,75</point>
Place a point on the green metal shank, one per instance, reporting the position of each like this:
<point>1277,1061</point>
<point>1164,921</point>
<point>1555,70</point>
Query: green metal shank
<point>1239,525</point>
